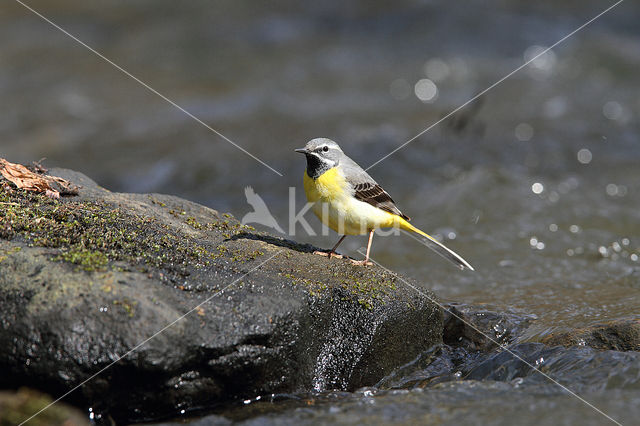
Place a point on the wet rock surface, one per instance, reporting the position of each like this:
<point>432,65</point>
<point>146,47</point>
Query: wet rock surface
<point>85,280</point>
<point>471,335</point>
<point>621,335</point>
<point>421,391</point>
<point>476,328</point>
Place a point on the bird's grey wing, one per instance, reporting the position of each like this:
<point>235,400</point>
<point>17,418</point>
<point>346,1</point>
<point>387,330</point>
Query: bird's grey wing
<point>367,190</point>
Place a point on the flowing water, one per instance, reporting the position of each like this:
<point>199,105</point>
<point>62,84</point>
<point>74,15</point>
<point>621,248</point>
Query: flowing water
<point>536,184</point>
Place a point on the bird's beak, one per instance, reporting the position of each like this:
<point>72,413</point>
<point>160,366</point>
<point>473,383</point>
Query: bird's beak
<point>302,150</point>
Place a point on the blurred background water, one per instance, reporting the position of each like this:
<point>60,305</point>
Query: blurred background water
<point>536,184</point>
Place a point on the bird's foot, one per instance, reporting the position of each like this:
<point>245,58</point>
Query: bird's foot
<point>329,254</point>
<point>361,262</point>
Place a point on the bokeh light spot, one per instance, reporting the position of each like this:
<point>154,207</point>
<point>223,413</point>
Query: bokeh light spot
<point>540,60</point>
<point>426,90</point>
<point>613,110</point>
<point>537,188</point>
<point>437,69</point>
<point>524,132</point>
<point>584,156</point>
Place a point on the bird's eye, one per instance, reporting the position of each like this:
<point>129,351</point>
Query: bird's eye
<point>325,148</point>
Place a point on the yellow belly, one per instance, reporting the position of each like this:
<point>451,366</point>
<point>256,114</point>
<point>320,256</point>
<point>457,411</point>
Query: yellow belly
<point>333,202</point>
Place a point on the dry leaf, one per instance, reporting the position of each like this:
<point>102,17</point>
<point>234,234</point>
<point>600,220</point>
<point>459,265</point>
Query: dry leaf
<point>52,194</point>
<point>24,178</point>
<point>37,167</point>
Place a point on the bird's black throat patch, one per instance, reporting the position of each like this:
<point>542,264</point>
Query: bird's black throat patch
<point>316,166</point>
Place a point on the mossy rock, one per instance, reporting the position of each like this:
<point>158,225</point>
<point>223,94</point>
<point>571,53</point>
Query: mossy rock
<point>28,404</point>
<point>86,279</point>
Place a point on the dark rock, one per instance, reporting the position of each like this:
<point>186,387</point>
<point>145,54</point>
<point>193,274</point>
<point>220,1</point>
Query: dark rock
<point>622,335</point>
<point>470,335</point>
<point>99,284</point>
<point>586,369</point>
<point>477,329</point>
<point>28,404</point>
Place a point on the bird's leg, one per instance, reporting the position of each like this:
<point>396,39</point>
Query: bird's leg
<point>332,252</point>
<point>366,259</point>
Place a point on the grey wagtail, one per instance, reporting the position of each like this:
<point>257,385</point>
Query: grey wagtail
<point>350,202</point>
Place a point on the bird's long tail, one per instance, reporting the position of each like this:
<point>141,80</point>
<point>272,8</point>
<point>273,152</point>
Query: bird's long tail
<point>435,245</point>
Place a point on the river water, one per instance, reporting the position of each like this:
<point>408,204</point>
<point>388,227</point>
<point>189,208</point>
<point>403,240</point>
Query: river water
<point>536,184</point>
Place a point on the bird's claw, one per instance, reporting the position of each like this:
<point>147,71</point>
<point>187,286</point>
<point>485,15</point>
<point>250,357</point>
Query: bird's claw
<point>361,262</point>
<point>329,254</point>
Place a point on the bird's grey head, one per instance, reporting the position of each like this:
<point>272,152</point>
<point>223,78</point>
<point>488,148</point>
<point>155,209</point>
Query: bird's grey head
<point>322,154</point>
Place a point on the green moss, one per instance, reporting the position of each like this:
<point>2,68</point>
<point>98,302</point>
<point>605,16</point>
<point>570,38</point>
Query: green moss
<point>92,234</point>
<point>220,251</point>
<point>127,306</point>
<point>97,236</point>
<point>87,260</point>
<point>6,253</point>
<point>366,303</point>
<point>229,227</point>
<point>17,407</point>
<point>191,221</point>
<point>233,227</point>
<point>157,202</point>
<point>366,288</point>
<point>244,256</point>
<point>314,287</point>
<point>176,213</point>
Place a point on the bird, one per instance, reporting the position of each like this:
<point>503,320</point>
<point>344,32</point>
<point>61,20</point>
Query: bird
<point>349,201</point>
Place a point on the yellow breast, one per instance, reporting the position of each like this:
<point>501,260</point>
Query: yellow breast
<point>330,186</point>
<point>335,205</point>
